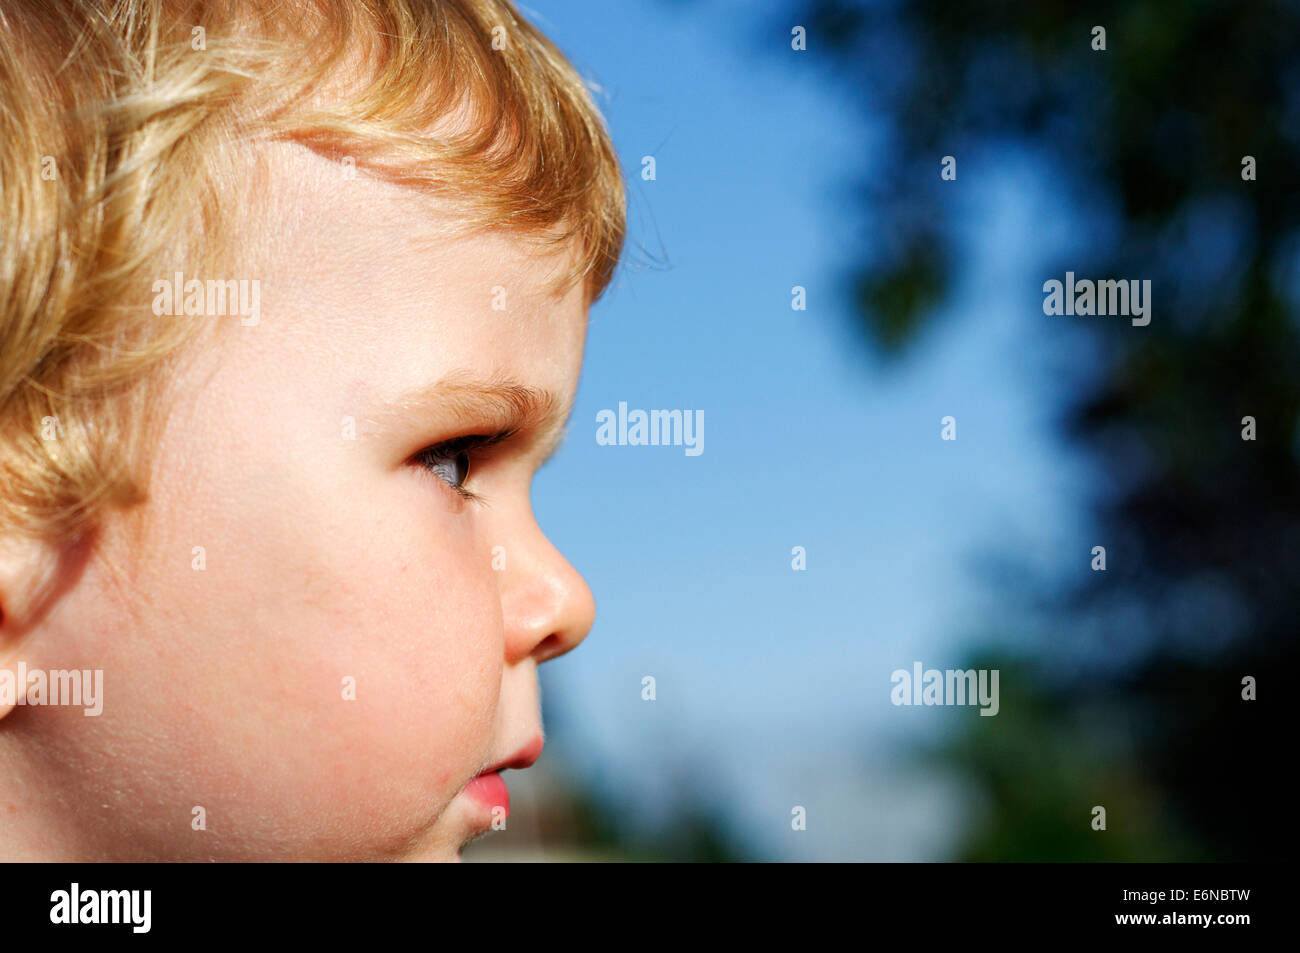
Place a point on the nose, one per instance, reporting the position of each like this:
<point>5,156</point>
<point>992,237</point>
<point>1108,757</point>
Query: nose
<point>547,606</point>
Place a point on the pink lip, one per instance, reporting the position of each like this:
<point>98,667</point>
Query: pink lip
<point>490,791</point>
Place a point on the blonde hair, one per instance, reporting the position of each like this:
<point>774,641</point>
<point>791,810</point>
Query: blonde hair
<point>117,122</point>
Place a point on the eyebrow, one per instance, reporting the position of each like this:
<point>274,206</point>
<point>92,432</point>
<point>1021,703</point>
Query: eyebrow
<point>495,405</point>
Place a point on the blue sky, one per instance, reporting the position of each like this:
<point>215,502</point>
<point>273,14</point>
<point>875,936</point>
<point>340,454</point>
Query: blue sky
<point>773,685</point>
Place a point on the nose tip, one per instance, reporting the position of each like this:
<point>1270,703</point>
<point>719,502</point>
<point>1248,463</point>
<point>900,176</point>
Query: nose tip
<point>549,607</point>
<point>574,620</point>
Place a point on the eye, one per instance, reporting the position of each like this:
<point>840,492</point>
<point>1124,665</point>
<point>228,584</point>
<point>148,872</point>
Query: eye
<point>449,462</point>
<point>453,469</point>
<point>450,459</point>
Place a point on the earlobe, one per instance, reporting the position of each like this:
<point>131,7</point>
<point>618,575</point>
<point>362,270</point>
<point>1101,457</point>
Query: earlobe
<point>33,574</point>
<point>8,684</point>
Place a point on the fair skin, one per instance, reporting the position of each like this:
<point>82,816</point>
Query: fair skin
<point>326,559</point>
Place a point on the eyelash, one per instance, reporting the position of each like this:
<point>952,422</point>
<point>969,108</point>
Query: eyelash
<point>469,445</point>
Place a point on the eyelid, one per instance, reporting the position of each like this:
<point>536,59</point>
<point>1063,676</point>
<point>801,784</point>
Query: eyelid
<point>468,442</point>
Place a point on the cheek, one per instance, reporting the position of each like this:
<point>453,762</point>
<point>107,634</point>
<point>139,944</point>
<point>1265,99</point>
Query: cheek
<point>400,626</point>
<point>414,624</point>
<point>339,680</point>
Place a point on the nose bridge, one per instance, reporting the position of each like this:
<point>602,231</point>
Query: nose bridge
<point>547,606</point>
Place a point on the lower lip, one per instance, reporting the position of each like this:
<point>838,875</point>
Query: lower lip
<point>490,791</point>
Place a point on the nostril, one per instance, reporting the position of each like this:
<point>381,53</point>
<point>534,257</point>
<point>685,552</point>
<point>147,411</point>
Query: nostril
<point>549,646</point>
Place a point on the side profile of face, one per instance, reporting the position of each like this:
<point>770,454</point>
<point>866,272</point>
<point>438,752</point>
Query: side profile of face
<point>311,634</point>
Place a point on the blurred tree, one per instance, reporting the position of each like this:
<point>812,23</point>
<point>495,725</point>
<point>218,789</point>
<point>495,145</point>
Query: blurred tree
<point>1147,138</point>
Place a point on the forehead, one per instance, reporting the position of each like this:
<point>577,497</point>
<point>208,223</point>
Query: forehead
<point>394,292</point>
<point>306,195</point>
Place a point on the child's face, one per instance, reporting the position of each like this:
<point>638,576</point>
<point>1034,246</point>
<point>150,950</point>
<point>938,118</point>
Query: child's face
<point>331,558</point>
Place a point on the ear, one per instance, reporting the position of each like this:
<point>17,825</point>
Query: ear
<point>33,574</point>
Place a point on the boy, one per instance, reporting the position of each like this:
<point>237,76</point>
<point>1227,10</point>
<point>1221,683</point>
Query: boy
<point>295,301</point>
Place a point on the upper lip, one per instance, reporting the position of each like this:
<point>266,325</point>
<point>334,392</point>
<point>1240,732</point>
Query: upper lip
<point>522,758</point>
